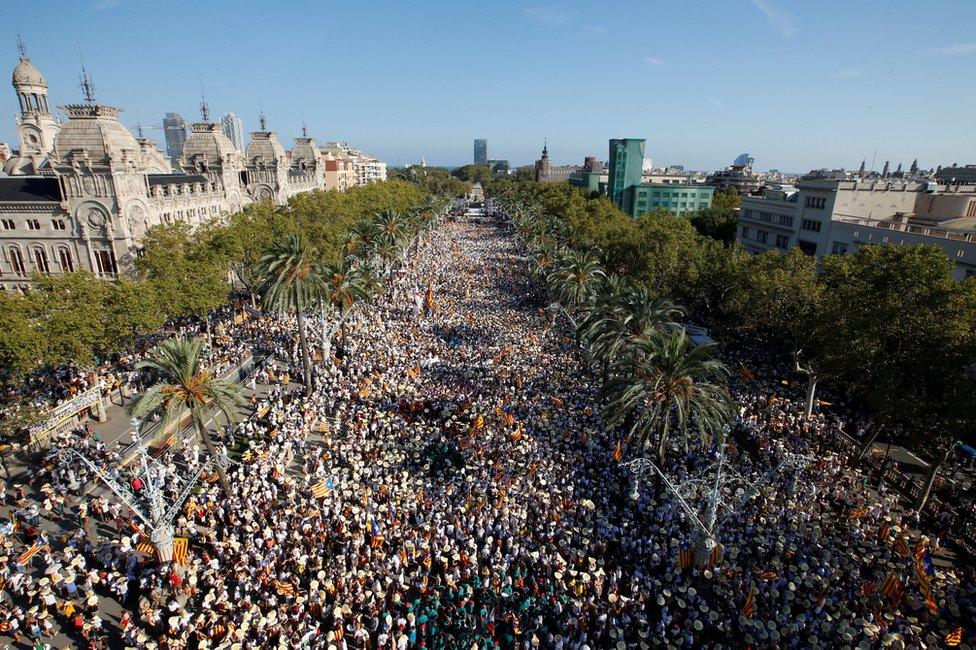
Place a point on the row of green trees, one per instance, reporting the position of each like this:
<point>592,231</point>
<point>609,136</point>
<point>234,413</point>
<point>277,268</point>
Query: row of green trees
<point>181,272</point>
<point>655,382</point>
<point>886,325</point>
<point>292,277</point>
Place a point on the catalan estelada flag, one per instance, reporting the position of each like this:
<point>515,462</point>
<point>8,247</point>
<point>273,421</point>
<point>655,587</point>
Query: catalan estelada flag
<point>954,638</point>
<point>181,550</point>
<point>749,607</point>
<point>715,556</point>
<point>321,488</point>
<point>377,538</point>
<point>686,556</point>
<point>517,434</point>
<point>618,453</point>
<point>932,605</point>
<point>29,554</point>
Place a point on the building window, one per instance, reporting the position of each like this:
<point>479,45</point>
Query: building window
<point>40,261</point>
<point>810,224</point>
<point>782,241</point>
<point>58,224</point>
<point>105,263</point>
<point>17,262</point>
<point>838,248</point>
<point>762,236</point>
<point>8,224</point>
<point>745,232</point>
<point>808,247</point>
<point>64,259</point>
<point>33,224</point>
<point>817,202</point>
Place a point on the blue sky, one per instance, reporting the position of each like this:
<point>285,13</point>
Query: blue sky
<point>799,85</point>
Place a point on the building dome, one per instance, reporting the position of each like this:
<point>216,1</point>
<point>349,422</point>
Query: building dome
<point>305,151</point>
<point>95,131</point>
<point>265,147</point>
<point>207,144</point>
<point>27,74</point>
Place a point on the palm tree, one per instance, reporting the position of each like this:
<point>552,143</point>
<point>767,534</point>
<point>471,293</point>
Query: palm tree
<point>626,313</point>
<point>184,384</point>
<point>344,284</point>
<point>576,276</point>
<point>290,280</point>
<point>665,377</point>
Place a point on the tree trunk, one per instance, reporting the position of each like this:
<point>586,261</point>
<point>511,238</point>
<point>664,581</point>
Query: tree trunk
<point>206,327</point>
<point>662,443</point>
<point>254,300</point>
<point>306,357</point>
<point>811,393</point>
<point>940,460</point>
<point>212,450</point>
<point>866,445</point>
<point>325,335</point>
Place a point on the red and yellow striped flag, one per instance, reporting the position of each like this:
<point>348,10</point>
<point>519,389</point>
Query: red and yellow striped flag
<point>517,434</point>
<point>284,588</point>
<point>955,638</point>
<point>413,372</point>
<point>883,532</point>
<point>932,605</point>
<point>320,489</point>
<point>181,550</point>
<point>749,607</point>
<point>146,547</point>
<point>902,547</point>
<point>29,554</point>
<point>892,587</point>
<point>618,453</point>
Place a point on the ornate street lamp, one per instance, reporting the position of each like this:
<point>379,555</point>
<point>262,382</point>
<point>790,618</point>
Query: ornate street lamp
<point>151,504</point>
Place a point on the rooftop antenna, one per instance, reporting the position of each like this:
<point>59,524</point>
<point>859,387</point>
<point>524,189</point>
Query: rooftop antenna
<point>21,47</point>
<point>204,106</point>
<point>87,87</point>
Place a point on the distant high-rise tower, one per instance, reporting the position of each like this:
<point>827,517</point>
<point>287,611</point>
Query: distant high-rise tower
<point>481,151</point>
<point>174,128</point>
<point>626,161</point>
<point>234,130</point>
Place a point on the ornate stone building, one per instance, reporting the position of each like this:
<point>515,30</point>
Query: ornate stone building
<point>82,194</point>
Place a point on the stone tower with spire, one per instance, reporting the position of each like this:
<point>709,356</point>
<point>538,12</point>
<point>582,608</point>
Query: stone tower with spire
<point>36,125</point>
<point>543,169</point>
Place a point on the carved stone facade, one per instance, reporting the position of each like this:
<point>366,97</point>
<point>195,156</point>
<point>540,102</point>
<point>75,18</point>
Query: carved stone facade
<point>82,194</point>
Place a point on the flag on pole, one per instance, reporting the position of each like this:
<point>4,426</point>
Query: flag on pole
<point>28,555</point>
<point>932,605</point>
<point>746,373</point>
<point>618,453</point>
<point>715,557</point>
<point>749,607</point>
<point>181,550</point>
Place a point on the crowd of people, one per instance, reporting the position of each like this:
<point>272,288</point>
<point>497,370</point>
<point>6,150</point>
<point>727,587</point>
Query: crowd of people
<point>448,483</point>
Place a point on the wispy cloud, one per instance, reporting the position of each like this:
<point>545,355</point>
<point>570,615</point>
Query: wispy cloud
<point>104,5</point>
<point>596,29</point>
<point>850,72</point>
<point>946,50</point>
<point>653,60</point>
<point>549,15</point>
<point>714,101</point>
<point>778,18</point>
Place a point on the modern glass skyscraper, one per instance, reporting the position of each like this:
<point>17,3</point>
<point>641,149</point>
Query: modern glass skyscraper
<point>174,128</point>
<point>481,151</point>
<point>626,162</point>
<point>234,130</point>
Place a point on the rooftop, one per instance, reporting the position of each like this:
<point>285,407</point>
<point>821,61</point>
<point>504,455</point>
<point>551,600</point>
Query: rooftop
<point>29,188</point>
